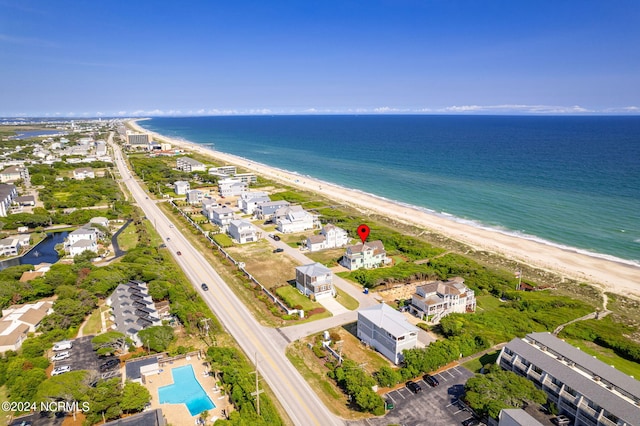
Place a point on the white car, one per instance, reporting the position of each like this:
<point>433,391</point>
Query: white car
<point>63,345</point>
<point>60,370</point>
<point>60,356</point>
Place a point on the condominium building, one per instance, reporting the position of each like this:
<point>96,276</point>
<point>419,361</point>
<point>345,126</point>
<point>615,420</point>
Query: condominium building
<point>188,164</point>
<point>583,388</point>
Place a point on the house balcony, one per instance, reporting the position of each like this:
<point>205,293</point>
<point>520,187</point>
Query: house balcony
<point>587,415</point>
<point>606,422</point>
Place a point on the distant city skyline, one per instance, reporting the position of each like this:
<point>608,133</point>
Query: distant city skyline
<point>165,58</point>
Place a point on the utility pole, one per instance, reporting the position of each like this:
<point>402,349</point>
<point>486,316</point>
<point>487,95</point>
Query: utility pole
<point>258,391</point>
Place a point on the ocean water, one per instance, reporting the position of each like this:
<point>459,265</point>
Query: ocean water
<point>567,181</point>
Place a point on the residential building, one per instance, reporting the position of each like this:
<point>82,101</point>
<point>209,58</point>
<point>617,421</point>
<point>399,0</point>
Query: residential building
<point>25,200</point>
<point>222,216</point>
<point>231,187</point>
<point>516,417</point>
<point>242,231</point>
<point>195,196</point>
<point>14,173</point>
<point>138,140</point>
<point>266,211</point>
<point>188,164</point>
<point>181,187</point>
<point>223,170</point>
<point>101,148</point>
<point>438,299</point>
<point>7,194</point>
<point>85,233</point>
<point>132,309</point>
<point>81,246</point>
<point>10,246</point>
<point>387,331</point>
<point>367,255</point>
<point>83,173</point>
<point>18,321</point>
<point>330,236</point>
<point>207,207</point>
<point>247,178</point>
<point>315,279</point>
<point>99,220</point>
<point>250,200</point>
<point>292,219</point>
<point>582,387</point>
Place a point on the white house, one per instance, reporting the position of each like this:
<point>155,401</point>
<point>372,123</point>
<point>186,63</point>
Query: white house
<point>387,331</point>
<point>181,187</point>
<point>14,173</point>
<point>84,233</point>
<point>81,246</point>
<point>315,279</point>
<point>222,216</point>
<point>195,196</point>
<point>208,205</point>
<point>99,220</point>
<point>250,200</point>
<point>7,194</point>
<point>437,299</point>
<point>242,231</point>
<point>9,247</point>
<point>330,236</point>
<point>294,219</point>
<point>83,173</point>
<point>187,164</point>
<point>267,210</point>
<point>367,255</point>
<point>231,187</point>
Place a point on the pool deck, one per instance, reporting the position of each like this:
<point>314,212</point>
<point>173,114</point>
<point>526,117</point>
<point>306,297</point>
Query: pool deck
<point>176,414</point>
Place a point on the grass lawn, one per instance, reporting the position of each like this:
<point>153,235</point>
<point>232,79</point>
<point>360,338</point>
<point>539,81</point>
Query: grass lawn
<point>476,364</point>
<point>292,297</point>
<point>607,356</point>
<point>62,196</point>
<point>128,238</point>
<point>156,240</point>
<point>94,323</point>
<point>271,269</point>
<point>328,258</point>
<point>347,301</point>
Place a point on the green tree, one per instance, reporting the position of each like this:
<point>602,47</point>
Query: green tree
<point>134,397</point>
<point>157,338</point>
<point>71,386</point>
<point>110,343</point>
<point>387,376</point>
<point>104,400</point>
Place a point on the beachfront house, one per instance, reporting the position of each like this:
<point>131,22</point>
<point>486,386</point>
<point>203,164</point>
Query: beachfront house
<point>132,309</point>
<point>250,200</point>
<point>195,196</point>
<point>208,205</point>
<point>315,280</point>
<point>231,187</point>
<point>83,173</point>
<point>434,300</point>
<point>330,237</point>
<point>188,164</point>
<point>368,255</point>
<point>266,211</point>
<point>292,219</point>
<point>181,187</point>
<point>222,216</point>
<point>387,331</point>
<point>223,170</point>
<point>242,231</point>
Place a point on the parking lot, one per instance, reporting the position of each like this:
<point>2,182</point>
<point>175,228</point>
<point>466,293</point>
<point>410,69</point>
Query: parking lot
<point>432,406</point>
<point>83,357</point>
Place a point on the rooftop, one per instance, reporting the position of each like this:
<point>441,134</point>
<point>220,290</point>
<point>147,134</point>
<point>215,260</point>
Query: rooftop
<point>388,319</point>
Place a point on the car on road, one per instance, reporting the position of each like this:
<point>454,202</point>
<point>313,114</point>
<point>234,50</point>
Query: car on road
<point>205,287</point>
<point>432,381</point>
<point>170,226</point>
<point>413,386</point>
<point>179,253</point>
<point>60,370</point>
<point>168,238</point>
<point>60,356</point>
<point>109,365</point>
<point>275,237</point>
<point>278,250</point>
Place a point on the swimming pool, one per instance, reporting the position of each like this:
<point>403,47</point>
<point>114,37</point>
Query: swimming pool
<point>186,390</point>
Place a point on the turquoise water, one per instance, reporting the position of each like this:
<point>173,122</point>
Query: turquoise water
<point>572,182</point>
<point>186,390</point>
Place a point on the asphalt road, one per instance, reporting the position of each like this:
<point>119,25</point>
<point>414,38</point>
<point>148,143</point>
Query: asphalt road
<point>298,399</point>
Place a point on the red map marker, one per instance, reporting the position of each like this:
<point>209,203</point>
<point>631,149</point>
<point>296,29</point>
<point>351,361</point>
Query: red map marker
<point>363,230</point>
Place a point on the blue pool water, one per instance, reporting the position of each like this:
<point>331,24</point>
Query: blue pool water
<point>186,390</point>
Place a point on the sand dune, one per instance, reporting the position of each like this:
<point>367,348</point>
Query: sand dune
<point>609,275</point>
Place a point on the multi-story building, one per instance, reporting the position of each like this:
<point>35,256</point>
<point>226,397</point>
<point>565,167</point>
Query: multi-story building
<point>19,320</point>
<point>14,173</point>
<point>247,178</point>
<point>330,236</point>
<point>83,173</point>
<point>583,388</point>
<point>222,216</point>
<point>181,187</point>
<point>133,309</point>
<point>208,205</point>
<point>195,196</point>
<point>250,200</point>
<point>223,170</point>
<point>437,299</point>
<point>242,231</point>
<point>292,219</point>
<point>315,279</point>
<point>231,187</point>
<point>138,140</point>
<point>367,255</point>
<point>387,331</point>
<point>267,210</point>
<point>8,193</point>
<point>188,164</point>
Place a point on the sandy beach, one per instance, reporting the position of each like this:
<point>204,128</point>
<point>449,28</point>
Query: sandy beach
<point>616,277</point>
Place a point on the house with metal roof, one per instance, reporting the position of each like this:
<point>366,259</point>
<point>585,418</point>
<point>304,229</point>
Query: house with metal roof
<point>583,388</point>
<point>387,331</point>
<point>315,279</point>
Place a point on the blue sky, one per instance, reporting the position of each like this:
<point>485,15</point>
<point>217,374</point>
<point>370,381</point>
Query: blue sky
<point>281,57</point>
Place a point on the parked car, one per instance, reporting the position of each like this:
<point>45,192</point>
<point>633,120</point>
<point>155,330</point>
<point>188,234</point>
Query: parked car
<point>278,250</point>
<point>109,365</point>
<point>63,345</point>
<point>432,381</point>
<point>60,356</point>
<point>413,386</point>
<point>60,370</point>
<point>471,421</point>
<point>205,287</point>
<point>561,420</point>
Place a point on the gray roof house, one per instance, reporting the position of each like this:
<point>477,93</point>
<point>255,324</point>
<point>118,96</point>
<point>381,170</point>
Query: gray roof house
<point>268,209</point>
<point>582,387</point>
<point>315,279</point>
<point>132,309</point>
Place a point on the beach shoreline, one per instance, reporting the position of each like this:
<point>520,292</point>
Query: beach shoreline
<point>609,275</point>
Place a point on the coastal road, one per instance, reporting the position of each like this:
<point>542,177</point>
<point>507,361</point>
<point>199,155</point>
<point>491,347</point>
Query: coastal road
<point>298,399</point>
